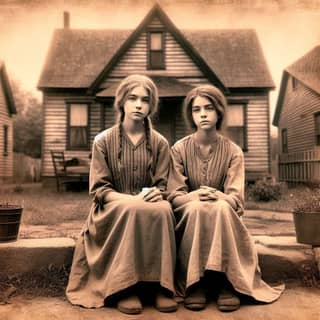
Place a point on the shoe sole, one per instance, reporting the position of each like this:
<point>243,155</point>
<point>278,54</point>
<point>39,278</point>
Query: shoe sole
<point>229,308</point>
<point>129,311</point>
<point>168,309</point>
<point>195,306</point>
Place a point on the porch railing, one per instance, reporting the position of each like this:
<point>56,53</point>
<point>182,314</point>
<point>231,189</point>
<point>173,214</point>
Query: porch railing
<point>301,166</point>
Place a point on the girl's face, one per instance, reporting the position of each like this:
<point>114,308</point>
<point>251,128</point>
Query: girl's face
<point>204,113</point>
<point>137,104</point>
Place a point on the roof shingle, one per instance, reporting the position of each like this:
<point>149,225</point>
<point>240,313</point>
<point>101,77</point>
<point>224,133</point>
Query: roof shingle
<point>76,57</point>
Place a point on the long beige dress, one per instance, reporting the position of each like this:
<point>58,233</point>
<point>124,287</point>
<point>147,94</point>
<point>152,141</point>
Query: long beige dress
<point>124,242</point>
<point>210,234</point>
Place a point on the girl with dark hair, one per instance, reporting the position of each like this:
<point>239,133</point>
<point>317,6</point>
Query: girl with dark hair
<point>206,184</point>
<point>128,241</point>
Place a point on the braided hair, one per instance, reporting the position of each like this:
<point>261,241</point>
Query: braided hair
<point>124,89</point>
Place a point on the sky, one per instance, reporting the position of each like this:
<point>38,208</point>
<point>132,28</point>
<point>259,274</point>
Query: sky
<point>287,29</point>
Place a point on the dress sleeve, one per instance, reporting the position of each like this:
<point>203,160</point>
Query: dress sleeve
<point>161,168</point>
<point>177,182</point>
<point>100,174</point>
<point>234,183</point>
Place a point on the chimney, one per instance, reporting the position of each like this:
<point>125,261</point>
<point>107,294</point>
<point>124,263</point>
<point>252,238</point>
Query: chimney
<point>66,20</point>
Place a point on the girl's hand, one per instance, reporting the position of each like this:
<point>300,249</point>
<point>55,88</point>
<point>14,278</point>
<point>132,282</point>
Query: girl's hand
<point>152,195</point>
<point>202,194</point>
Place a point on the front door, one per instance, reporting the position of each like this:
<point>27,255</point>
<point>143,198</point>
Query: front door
<point>164,121</point>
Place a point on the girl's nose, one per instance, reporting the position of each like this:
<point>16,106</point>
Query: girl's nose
<point>203,113</point>
<point>138,104</point>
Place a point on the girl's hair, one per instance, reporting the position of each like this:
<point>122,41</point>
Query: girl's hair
<point>127,85</point>
<point>124,89</point>
<point>213,94</point>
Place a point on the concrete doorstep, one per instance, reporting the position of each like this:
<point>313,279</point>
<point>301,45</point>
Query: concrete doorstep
<point>281,258</point>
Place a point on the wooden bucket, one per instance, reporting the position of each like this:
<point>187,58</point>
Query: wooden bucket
<point>307,225</point>
<point>10,217</point>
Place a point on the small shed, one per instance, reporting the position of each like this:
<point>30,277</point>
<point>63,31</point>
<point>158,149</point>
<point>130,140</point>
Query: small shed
<point>7,110</point>
<point>84,67</point>
<point>297,117</point>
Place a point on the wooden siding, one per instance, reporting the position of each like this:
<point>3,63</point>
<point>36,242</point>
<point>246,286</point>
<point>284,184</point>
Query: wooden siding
<point>297,116</point>
<point>55,128</point>
<point>6,161</point>
<point>178,63</point>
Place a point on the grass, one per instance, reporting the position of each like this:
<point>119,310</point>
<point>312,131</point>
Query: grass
<point>43,206</point>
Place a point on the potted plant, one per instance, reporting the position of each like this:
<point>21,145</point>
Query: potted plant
<point>10,217</point>
<point>306,214</point>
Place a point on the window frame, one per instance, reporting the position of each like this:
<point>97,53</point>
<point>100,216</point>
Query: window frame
<point>5,140</point>
<point>87,146</point>
<point>284,147</point>
<point>244,104</point>
<point>163,50</point>
<point>294,83</point>
<point>316,135</point>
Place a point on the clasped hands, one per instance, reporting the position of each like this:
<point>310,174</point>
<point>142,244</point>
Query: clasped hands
<point>205,193</point>
<point>152,194</point>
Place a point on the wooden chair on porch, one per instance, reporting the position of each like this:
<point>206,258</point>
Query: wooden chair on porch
<point>68,171</point>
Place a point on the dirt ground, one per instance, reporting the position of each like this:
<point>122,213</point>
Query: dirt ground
<point>257,221</point>
<point>296,303</point>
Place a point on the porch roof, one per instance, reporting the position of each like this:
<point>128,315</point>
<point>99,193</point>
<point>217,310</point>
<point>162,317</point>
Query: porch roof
<point>167,86</point>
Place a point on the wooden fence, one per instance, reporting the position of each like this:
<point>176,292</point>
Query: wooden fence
<point>26,169</point>
<point>300,166</point>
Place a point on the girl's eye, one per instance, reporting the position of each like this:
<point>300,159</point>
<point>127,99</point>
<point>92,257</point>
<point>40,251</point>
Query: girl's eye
<point>145,99</point>
<point>195,109</point>
<point>132,98</point>
<point>210,107</point>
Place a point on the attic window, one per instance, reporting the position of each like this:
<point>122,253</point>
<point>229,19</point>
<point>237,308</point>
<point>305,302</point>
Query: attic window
<point>78,126</point>
<point>294,82</point>
<point>156,58</point>
<point>236,122</point>
<point>284,140</point>
<point>5,140</point>
<point>317,127</point>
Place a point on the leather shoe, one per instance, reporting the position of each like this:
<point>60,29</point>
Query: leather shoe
<point>164,303</point>
<point>130,305</point>
<point>228,300</point>
<point>196,299</point>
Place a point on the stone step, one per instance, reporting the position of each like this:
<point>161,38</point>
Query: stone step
<point>280,258</point>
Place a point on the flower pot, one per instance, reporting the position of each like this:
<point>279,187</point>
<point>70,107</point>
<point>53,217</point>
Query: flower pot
<point>10,217</point>
<point>307,225</point>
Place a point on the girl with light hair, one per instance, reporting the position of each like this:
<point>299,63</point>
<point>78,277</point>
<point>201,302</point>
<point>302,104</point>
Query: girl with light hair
<point>127,243</point>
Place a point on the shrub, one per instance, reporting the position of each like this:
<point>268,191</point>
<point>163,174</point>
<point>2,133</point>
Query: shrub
<point>308,201</point>
<point>265,190</point>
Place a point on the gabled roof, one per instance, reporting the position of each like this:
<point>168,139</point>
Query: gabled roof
<point>306,70</point>
<point>235,56</point>
<point>7,89</point>
<point>76,57</point>
<point>83,58</point>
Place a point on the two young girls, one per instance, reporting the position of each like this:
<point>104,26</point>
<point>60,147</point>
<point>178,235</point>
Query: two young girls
<point>128,243</point>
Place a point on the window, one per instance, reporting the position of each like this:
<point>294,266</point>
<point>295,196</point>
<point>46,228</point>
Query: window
<point>236,124</point>
<point>156,50</point>
<point>284,140</point>
<point>294,83</point>
<point>78,129</point>
<point>5,140</point>
<point>317,127</point>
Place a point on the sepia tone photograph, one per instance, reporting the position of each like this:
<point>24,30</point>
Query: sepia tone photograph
<point>160,159</point>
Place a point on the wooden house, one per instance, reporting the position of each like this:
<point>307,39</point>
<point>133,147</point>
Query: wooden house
<point>7,109</point>
<point>297,117</point>
<point>84,67</point>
